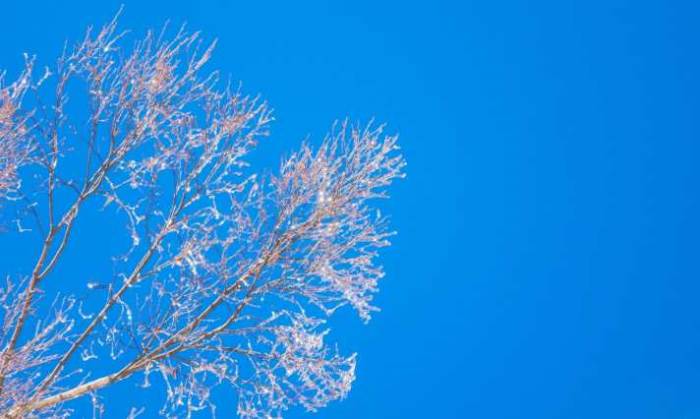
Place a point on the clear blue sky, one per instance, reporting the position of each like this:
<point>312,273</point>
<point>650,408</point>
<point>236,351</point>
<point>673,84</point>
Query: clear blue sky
<point>548,261</point>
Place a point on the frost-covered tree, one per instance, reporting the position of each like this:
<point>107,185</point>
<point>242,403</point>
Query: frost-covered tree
<point>229,275</point>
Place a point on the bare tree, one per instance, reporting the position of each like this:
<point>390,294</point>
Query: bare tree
<point>229,275</point>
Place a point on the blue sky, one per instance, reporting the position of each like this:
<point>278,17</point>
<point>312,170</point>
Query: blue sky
<point>547,258</point>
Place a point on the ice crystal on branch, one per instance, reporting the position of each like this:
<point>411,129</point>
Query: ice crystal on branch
<point>228,275</point>
<point>15,144</point>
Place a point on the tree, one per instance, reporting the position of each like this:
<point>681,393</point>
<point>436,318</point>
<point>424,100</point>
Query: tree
<point>229,276</point>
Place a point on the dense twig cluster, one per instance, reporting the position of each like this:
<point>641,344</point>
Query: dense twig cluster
<point>229,275</point>
<point>15,148</point>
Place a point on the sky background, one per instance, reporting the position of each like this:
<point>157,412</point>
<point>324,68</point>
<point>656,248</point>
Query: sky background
<point>547,263</point>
